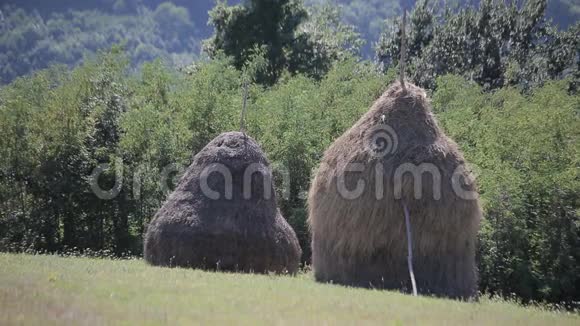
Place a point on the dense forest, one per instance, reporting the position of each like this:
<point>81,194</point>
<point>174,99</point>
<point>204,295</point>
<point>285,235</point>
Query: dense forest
<point>119,95</point>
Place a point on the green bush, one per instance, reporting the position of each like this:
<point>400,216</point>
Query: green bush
<point>525,149</point>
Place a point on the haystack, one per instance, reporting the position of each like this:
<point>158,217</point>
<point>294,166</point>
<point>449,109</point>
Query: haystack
<point>359,239</point>
<point>223,214</point>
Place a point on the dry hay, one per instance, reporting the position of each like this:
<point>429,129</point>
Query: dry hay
<point>362,241</point>
<point>234,232</point>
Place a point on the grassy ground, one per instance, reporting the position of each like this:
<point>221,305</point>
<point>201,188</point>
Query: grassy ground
<point>54,290</point>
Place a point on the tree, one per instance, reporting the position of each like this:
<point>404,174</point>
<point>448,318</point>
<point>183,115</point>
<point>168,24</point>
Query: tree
<point>366,16</point>
<point>290,37</point>
<point>322,41</point>
<point>266,24</point>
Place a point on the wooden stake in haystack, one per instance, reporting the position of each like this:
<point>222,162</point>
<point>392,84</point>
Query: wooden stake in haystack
<point>410,249</point>
<point>405,209</point>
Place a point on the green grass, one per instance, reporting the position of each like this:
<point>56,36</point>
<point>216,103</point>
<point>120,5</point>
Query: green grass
<point>55,290</point>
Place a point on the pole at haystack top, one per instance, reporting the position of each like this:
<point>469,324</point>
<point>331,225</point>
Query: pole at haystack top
<point>402,58</point>
<point>244,104</point>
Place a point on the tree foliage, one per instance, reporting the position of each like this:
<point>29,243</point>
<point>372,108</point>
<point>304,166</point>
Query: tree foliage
<point>292,38</point>
<point>525,152</point>
<point>494,45</point>
<point>270,25</point>
<point>324,40</point>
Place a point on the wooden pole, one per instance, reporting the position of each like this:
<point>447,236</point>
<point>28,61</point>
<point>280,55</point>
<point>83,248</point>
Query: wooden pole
<point>402,59</point>
<point>410,249</point>
<point>243,114</point>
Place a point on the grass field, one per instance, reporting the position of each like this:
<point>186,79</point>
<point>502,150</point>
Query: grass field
<point>37,290</point>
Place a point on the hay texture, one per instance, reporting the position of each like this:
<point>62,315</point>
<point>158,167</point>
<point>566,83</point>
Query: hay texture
<point>242,230</point>
<point>361,241</point>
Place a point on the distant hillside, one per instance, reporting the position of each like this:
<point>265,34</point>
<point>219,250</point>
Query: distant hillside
<point>30,40</point>
<point>198,9</point>
<point>562,12</point>
<point>37,33</point>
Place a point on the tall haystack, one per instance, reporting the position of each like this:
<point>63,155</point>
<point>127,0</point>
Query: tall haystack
<point>359,239</point>
<point>223,214</point>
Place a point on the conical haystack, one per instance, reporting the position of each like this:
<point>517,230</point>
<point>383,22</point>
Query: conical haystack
<point>223,214</point>
<point>398,156</point>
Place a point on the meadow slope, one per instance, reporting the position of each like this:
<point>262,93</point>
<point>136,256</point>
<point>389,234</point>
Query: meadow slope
<point>56,290</point>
